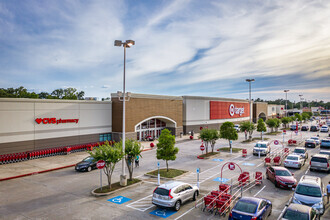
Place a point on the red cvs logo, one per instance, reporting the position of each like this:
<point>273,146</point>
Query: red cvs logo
<point>46,120</point>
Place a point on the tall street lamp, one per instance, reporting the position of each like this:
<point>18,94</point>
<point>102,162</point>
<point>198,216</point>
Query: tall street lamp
<point>127,44</point>
<point>286,102</point>
<point>301,107</point>
<point>250,80</point>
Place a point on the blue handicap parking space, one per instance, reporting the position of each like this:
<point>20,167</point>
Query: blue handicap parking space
<point>219,160</point>
<point>223,180</point>
<point>164,213</point>
<point>248,164</point>
<point>119,199</point>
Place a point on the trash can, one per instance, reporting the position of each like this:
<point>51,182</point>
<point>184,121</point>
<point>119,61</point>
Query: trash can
<point>181,135</point>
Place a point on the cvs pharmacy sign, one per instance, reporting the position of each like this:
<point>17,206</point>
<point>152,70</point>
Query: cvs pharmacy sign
<point>55,121</point>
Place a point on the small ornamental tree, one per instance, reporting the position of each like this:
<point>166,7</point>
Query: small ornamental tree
<point>111,155</point>
<point>165,147</point>
<point>206,136</point>
<point>277,123</point>
<point>261,127</point>
<point>227,131</point>
<point>271,124</point>
<point>132,150</point>
<point>214,137</point>
<point>285,121</point>
<point>305,116</point>
<point>249,127</point>
<point>298,116</point>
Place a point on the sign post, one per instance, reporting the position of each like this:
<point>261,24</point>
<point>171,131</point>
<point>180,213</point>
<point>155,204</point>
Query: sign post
<point>262,135</point>
<point>197,177</point>
<point>158,174</point>
<point>100,164</point>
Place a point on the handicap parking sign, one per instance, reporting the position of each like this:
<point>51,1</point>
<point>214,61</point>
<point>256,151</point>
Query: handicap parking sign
<point>223,180</point>
<point>164,213</point>
<point>219,160</point>
<point>119,200</point>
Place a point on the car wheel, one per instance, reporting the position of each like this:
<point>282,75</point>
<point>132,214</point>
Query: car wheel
<point>177,205</point>
<point>89,169</point>
<point>276,184</point>
<point>195,195</point>
<point>270,211</point>
<point>267,176</point>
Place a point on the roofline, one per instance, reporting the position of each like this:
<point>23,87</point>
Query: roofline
<point>52,100</point>
<point>215,98</point>
<point>149,96</point>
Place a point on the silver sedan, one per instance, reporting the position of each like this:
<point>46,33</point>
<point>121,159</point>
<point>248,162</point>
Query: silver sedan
<point>295,161</point>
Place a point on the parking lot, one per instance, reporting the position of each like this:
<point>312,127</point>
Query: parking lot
<point>65,194</point>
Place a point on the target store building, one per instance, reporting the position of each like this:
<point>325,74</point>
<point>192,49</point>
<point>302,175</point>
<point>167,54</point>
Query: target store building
<point>34,124</point>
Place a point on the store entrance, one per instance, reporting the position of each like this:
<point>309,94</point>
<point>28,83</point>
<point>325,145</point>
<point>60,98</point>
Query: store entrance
<point>151,129</point>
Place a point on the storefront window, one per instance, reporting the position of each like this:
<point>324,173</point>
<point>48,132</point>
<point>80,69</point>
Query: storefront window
<point>105,137</point>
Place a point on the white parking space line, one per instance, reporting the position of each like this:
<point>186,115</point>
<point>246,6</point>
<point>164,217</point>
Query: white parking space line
<point>307,170</point>
<point>141,204</point>
<point>259,191</point>
<point>260,164</point>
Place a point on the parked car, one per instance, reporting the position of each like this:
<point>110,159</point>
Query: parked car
<point>320,162</point>
<point>261,146</point>
<point>294,160</point>
<point>294,127</point>
<point>251,208</point>
<point>310,192</point>
<point>281,177</point>
<point>297,211</point>
<point>87,164</point>
<point>310,143</point>
<point>173,194</point>
<point>327,152</point>
<point>324,128</point>
<point>305,128</point>
<point>237,128</point>
<point>301,151</point>
<point>325,143</point>
<point>317,140</point>
<point>314,128</point>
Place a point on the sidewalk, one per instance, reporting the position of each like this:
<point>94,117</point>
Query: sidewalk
<point>46,164</point>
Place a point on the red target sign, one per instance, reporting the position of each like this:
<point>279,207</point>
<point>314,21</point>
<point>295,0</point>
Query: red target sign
<point>231,166</point>
<point>202,147</point>
<point>276,142</point>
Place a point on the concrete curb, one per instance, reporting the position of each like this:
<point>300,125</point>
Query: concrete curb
<point>112,192</point>
<point>34,173</point>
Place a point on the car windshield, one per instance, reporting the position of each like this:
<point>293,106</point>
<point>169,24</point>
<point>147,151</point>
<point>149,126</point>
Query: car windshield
<point>325,152</point>
<point>261,145</point>
<point>325,141</point>
<point>292,158</point>
<point>295,215</point>
<point>299,151</point>
<point>314,138</point>
<point>246,207</point>
<point>282,173</point>
<point>308,191</point>
<point>161,191</point>
<point>88,159</point>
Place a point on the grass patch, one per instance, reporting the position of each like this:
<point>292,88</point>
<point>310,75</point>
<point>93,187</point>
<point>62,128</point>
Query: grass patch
<point>170,174</point>
<point>260,139</point>
<point>209,154</point>
<point>274,133</point>
<point>115,186</point>
<point>227,149</point>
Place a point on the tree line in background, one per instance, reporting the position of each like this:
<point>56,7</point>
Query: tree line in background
<point>292,105</point>
<point>21,92</point>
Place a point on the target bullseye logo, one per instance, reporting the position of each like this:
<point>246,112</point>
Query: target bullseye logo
<point>231,110</point>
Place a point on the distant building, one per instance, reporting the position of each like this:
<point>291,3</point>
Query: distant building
<point>91,98</point>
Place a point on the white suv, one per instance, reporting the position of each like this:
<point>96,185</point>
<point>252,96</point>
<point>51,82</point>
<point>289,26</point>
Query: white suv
<point>310,192</point>
<point>263,147</point>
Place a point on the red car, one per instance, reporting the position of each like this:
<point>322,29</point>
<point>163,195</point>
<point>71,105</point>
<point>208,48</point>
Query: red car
<point>281,176</point>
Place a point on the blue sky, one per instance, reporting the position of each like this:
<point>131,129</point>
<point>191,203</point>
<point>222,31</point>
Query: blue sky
<point>186,47</point>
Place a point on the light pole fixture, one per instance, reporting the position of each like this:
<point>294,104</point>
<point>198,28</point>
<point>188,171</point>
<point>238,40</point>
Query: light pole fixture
<point>286,102</point>
<point>250,80</point>
<point>301,106</point>
<point>127,44</point>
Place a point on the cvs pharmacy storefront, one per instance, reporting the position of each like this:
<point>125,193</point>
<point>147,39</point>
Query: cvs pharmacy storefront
<point>211,112</point>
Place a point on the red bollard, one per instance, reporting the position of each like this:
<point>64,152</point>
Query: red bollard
<point>244,152</point>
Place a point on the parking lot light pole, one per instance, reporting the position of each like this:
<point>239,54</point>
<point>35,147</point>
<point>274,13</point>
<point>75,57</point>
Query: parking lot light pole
<point>250,80</point>
<point>286,102</point>
<point>301,106</point>
<point>127,44</point>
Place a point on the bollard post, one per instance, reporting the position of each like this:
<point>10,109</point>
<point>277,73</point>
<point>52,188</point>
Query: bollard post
<point>101,178</point>
<point>158,174</point>
<point>198,177</point>
<point>259,153</point>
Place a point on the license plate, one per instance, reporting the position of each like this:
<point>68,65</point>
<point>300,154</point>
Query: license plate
<point>289,186</point>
